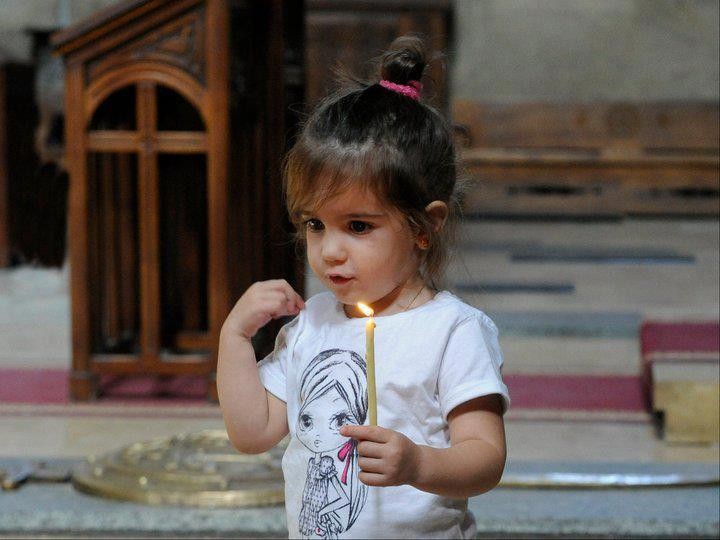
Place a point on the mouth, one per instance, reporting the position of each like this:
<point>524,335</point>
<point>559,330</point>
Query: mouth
<point>340,280</point>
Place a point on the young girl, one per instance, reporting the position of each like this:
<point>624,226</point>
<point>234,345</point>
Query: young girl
<point>370,184</point>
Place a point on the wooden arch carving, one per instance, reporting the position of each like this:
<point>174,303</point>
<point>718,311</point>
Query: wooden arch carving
<point>140,72</point>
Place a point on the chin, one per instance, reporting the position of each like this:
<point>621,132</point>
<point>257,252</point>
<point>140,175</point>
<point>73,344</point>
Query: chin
<point>345,297</point>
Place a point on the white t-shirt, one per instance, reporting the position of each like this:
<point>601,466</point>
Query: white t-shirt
<point>428,360</point>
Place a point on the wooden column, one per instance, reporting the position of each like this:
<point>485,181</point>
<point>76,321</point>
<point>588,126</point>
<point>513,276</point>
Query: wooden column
<point>218,132</point>
<point>82,380</point>
<point>149,215</point>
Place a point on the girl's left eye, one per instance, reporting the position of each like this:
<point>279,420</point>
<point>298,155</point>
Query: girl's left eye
<point>359,227</point>
<point>340,420</point>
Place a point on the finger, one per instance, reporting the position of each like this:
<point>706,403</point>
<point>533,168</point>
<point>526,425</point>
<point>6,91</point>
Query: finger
<point>284,286</point>
<point>370,465</point>
<point>373,479</point>
<point>295,301</point>
<point>277,283</point>
<point>273,295</point>
<point>366,433</point>
<point>278,304</point>
<point>299,302</point>
<point>370,449</point>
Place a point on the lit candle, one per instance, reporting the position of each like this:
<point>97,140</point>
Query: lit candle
<point>370,361</point>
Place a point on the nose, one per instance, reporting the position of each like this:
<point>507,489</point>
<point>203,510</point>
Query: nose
<point>333,249</point>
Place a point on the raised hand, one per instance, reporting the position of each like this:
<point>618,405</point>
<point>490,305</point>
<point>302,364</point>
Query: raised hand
<point>262,302</point>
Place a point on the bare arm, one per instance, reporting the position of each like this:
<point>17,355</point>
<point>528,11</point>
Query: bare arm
<point>255,419</point>
<point>472,465</point>
<point>475,462</point>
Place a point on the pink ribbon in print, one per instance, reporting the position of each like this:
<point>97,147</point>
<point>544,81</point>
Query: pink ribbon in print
<point>344,455</point>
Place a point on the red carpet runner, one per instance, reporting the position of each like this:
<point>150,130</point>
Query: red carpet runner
<point>568,392</point>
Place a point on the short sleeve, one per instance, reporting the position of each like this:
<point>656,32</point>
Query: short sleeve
<point>472,365</point>
<point>273,368</point>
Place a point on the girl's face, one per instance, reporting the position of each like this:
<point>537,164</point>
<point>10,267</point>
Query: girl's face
<point>319,423</point>
<point>363,252</point>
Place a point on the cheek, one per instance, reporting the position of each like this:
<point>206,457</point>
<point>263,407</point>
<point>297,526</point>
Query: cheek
<point>389,255</point>
<point>312,251</point>
<point>400,254</point>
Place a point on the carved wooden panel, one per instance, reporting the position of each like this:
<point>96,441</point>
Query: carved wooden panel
<point>180,43</point>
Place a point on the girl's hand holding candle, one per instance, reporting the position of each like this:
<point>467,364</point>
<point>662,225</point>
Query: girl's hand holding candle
<point>370,361</point>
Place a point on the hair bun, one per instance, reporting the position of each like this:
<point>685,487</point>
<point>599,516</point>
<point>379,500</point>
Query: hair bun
<point>404,60</point>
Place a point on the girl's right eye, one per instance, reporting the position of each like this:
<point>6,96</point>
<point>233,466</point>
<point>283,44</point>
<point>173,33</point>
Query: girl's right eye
<point>314,225</point>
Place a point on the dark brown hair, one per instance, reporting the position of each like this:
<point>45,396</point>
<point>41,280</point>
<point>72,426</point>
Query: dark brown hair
<point>367,136</point>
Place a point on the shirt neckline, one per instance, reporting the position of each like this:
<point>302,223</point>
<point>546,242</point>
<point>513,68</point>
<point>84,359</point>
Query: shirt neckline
<point>439,297</point>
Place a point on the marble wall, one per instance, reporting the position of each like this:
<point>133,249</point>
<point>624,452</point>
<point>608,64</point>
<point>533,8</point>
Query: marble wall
<point>582,50</point>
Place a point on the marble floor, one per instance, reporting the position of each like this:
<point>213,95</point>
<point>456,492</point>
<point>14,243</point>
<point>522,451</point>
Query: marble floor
<point>35,327</point>
<point>60,435</point>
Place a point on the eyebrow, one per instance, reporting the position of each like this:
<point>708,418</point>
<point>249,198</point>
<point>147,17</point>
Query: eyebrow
<point>353,215</point>
<point>366,215</point>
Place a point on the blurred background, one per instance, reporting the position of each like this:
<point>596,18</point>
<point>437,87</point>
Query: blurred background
<point>140,195</point>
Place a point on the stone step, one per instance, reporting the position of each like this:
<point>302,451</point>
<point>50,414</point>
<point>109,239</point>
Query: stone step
<point>569,355</point>
<point>667,268</point>
<point>692,236</point>
<point>651,291</point>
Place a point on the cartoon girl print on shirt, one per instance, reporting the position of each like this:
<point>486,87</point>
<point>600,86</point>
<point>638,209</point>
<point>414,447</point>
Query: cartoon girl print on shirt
<point>333,392</point>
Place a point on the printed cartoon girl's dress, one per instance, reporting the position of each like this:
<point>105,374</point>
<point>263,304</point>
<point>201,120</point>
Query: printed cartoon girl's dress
<point>315,498</point>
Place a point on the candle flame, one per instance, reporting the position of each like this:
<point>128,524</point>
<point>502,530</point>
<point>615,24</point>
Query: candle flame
<point>367,310</point>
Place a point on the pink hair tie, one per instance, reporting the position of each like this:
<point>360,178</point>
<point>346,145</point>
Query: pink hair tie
<point>411,90</point>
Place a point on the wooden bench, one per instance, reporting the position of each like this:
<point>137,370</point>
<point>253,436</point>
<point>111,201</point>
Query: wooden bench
<point>681,366</point>
<point>589,159</point>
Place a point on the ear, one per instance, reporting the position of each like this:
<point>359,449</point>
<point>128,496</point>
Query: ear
<point>438,212</point>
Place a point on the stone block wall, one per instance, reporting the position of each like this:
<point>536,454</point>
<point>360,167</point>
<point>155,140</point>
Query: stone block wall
<point>582,50</point>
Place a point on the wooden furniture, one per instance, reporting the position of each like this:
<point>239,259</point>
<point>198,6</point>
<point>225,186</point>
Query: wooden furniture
<point>175,132</point>
<point>681,373</point>
<point>349,33</point>
<point>18,162</point>
<point>589,159</point>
